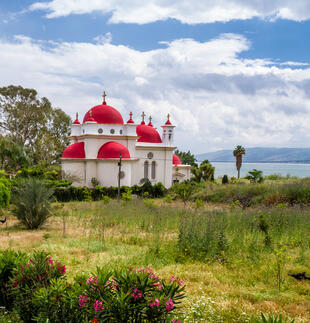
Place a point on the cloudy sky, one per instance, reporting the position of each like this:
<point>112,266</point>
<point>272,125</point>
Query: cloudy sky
<point>228,71</point>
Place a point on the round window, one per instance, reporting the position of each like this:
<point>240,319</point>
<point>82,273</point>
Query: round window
<point>122,174</point>
<point>100,130</point>
<point>150,155</point>
<point>112,131</point>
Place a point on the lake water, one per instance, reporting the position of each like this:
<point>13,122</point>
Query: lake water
<point>229,168</point>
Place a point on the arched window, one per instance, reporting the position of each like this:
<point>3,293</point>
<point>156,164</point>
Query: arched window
<point>146,169</point>
<point>153,173</point>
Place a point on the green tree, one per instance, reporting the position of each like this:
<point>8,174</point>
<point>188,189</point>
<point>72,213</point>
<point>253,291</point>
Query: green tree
<point>33,123</point>
<point>184,190</point>
<point>255,176</point>
<point>238,152</point>
<point>186,158</point>
<point>204,172</point>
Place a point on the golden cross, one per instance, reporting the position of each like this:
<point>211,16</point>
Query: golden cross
<point>143,115</point>
<point>130,114</point>
<point>150,118</point>
<point>104,96</point>
<point>168,116</point>
<point>77,116</point>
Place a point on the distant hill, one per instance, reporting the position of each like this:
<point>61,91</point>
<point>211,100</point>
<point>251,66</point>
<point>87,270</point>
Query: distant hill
<point>260,154</point>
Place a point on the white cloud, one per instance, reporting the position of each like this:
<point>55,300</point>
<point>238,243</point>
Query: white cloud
<point>186,11</point>
<point>103,39</point>
<point>216,99</point>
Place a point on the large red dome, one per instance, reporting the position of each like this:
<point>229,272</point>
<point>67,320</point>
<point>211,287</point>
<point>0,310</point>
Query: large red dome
<point>176,160</point>
<point>147,134</point>
<point>113,149</point>
<point>104,113</point>
<point>74,151</point>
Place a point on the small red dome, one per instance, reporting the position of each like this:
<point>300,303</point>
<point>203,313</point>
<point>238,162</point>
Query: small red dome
<point>113,149</point>
<point>130,121</point>
<point>147,134</point>
<point>74,151</point>
<point>176,160</point>
<point>76,121</point>
<point>168,123</point>
<point>104,113</point>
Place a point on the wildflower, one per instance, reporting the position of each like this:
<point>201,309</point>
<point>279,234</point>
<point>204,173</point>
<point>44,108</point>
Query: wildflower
<point>49,260</point>
<point>98,306</point>
<point>155,303</point>
<point>172,279</point>
<point>92,280</point>
<point>180,282</point>
<point>169,305</point>
<point>94,320</point>
<point>62,269</point>
<point>176,321</point>
<point>82,300</point>
<point>136,294</point>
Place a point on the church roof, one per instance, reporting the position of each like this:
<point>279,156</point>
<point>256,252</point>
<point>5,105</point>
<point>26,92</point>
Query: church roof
<point>105,114</point>
<point>148,134</point>
<point>176,160</point>
<point>74,151</point>
<point>113,149</point>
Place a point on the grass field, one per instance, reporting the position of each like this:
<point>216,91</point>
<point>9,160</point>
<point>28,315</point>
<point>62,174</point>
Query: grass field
<point>234,262</point>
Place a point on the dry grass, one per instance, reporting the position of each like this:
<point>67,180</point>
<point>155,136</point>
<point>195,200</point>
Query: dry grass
<point>237,290</point>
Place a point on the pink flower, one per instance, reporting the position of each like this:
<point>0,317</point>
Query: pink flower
<point>169,305</point>
<point>98,306</point>
<point>176,321</point>
<point>82,300</point>
<point>172,279</point>
<point>49,260</point>
<point>92,280</point>
<point>155,303</point>
<point>180,282</point>
<point>136,294</point>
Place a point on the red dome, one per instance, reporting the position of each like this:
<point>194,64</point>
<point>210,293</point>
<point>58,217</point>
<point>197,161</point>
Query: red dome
<point>113,149</point>
<point>103,113</point>
<point>176,160</point>
<point>147,134</point>
<point>74,151</point>
<point>76,121</point>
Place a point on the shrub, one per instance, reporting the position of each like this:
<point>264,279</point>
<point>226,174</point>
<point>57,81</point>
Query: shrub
<point>32,203</point>
<point>225,179</point>
<point>255,176</point>
<point>31,276</point>
<point>126,196</point>
<point>5,192</point>
<point>95,182</point>
<point>184,190</point>
<point>130,296</point>
<point>9,261</point>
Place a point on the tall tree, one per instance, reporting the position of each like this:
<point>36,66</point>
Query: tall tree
<point>239,151</point>
<point>186,158</point>
<point>33,123</point>
<point>204,172</point>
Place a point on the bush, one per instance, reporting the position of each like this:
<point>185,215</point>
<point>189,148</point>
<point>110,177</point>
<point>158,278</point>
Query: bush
<point>130,296</point>
<point>32,203</point>
<point>9,261</point>
<point>255,176</point>
<point>5,192</point>
<point>184,191</point>
<point>225,179</point>
<point>31,276</point>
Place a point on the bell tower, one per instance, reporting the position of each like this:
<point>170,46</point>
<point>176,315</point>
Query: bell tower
<point>168,132</point>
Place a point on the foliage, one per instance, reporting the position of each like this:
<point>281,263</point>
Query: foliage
<point>225,179</point>
<point>32,123</point>
<point>186,158</point>
<point>9,261</point>
<point>126,196</point>
<point>5,192</point>
<point>130,296</point>
<point>238,152</point>
<point>95,182</point>
<point>36,273</point>
<point>204,172</point>
<point>12,156</point>
<point>32,203</point>
<point>255,176</point>
<point>273,319</point>
<point>184,190</point>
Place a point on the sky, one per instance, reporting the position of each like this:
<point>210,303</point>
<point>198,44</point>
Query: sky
<point>229,72</point>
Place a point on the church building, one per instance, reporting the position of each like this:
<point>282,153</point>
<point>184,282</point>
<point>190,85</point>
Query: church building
<point>103,138</point>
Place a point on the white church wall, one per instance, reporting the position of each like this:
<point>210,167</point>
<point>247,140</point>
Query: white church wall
<point>75,168</point>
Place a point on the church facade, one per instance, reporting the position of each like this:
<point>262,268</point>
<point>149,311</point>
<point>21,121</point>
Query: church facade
<point>98,143</point>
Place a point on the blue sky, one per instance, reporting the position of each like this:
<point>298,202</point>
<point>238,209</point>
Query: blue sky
<point>229,72</point>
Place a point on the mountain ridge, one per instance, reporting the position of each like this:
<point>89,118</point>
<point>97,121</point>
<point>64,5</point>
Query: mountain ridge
<point>260,154</point>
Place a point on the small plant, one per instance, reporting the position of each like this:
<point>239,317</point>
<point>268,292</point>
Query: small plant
<point>273,319</point>
<point>126,196</point>
<point>95,182</point>
<point>255,176</point>
<point>264,227</point>
<point>225,179</point>
<point>32,203</point>
<point>168,199</point>
<point>184,190</point>
<point>106,199</point>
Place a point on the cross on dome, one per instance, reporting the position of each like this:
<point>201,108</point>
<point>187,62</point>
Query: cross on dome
<point>168,122</point>
<point>104,96</point>
<point>150,123</point>
<point>143,115</point>
<point>130,118</point>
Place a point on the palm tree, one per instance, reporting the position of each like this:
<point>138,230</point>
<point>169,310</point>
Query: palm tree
<point>238,152</point>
